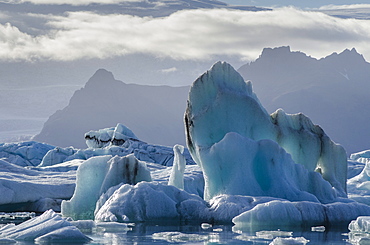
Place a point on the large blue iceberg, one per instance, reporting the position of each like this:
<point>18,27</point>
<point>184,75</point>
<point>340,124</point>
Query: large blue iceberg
<point>243,150</point>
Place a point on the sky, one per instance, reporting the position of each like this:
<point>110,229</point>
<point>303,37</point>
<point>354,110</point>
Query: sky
<point>297,3</point>
<point>35,34</point>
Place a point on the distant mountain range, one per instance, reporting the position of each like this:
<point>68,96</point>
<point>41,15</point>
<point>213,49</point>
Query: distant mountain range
<point>153,113</point>
<point>332,91</point>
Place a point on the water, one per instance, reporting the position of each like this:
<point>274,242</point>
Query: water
<point>143,233</point>
<point>220,234</point>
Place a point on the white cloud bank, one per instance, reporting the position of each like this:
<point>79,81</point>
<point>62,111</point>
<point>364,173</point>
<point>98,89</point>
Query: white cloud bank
<point>352,6</point>
<point>190,34</point>
<point>72,2</point>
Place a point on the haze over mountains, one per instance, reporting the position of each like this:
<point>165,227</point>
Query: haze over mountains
<point>153,113</point>
<point>332,91</point>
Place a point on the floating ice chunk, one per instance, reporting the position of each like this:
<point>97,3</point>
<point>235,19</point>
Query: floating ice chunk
<point>145,152</point>
<point>289,240</point>
<point>112,227</point>
<point>57,155</point>
<point>359,238</point>
<point>69,234</point>
<point>151,201</point>
<point>205,226</point>
<point>178,168</point>
<point>279,214</point>
<point>225,207</point>
<point>362,157</point>
<point>32,190</point>
<point>359,186</point>
<point>361,224</point>
<point>95,176</point>
<point>48,227</point>
<point>318,228</point>
<point>23,154</point>
<point>16,217</point>
<point>269,235</point>
<point>104,137</point>
<point>221,102</point>
<point>84,225</point>
<point>254,239</point>
<point>176,237</point>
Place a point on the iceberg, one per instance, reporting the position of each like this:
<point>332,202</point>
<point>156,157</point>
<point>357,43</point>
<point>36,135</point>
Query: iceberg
<point>116,141</point>
<point>359,230</point>
<point>26,189</point>
<point>289,240</point>
<point>359,185</point>
<point>362,157</point>
<point>49,227</point>
<point>152,201</point>
<point>297,215</point>
<point>242,150</point>
<point>95,176</point>
<point>178,168</point>
<point>109,136</point>
<point>29,153</point>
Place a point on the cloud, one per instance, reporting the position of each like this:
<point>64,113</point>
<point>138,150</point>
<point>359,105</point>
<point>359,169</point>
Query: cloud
<point>72,2</point>
<point>168,70</point>
<point>190,34</point>
<point>354,11</point>
<point>352,6</point>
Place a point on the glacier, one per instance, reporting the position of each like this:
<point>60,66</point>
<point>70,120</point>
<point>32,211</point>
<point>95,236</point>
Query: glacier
<point>223,113</point>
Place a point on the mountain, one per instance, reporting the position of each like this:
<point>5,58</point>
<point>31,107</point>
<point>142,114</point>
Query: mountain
<point>24,110</point>
<point>332,91</point>
<point>153,113</point>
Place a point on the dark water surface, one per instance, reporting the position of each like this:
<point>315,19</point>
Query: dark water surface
<point>149,234</point>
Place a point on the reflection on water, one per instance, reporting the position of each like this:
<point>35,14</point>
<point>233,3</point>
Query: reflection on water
<point>221,234</point>
<point>143,233</point>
